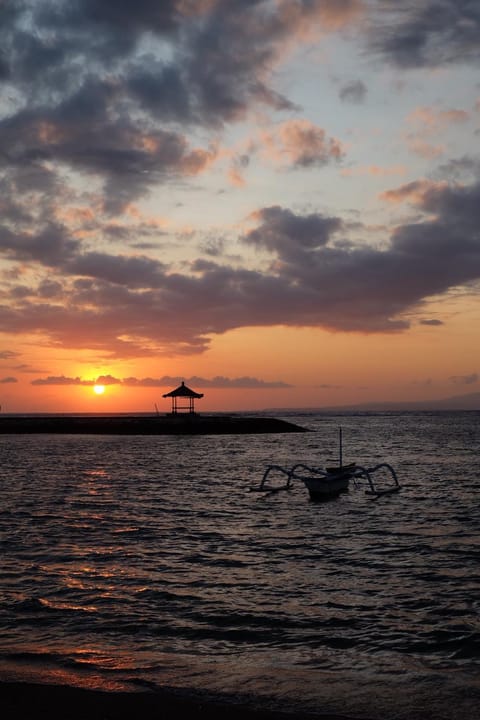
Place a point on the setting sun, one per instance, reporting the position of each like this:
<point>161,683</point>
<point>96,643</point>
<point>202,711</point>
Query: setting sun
<point>99,389</point>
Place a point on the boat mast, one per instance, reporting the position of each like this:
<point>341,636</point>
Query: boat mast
<point>340,446</point>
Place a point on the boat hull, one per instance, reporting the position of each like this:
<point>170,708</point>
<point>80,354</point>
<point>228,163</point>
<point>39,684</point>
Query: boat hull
<point>326,487</point>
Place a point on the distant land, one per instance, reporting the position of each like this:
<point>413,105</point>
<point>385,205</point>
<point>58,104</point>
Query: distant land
<point>470,401</point>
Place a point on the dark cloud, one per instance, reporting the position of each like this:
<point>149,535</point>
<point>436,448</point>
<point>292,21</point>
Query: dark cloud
<point>165,381</point>
<point>160,89</point>
<point>464,379</point>
<point>28,194</point>
<point>4,68</point>
<point>102,87</point>
<point>85,134</point>
<point>208,61</point>
<point>237,46</point>
<point>459,169</point>
<point>303,144</point>
<point>7,380</point>
<point>62,380</point>
<point>354,91</point>
<point>432,322</point>
<point>105,93</point>
<point>214,247</point>
<point>51,246</point>
<point>244,383</point>
<point>50,289</point>
<point>292,235</point>
<point>134,306</point>
<point>107,380</point>
<point>18,292</point>
<point>417,33</point>
<point>457,205</point>
<point>241,382</point>
<point>362,288</point>
<point>118,270</point>
<point>218,52</point>
<point>116,16</point>
<point>81,104</point>
<point>326,386</point>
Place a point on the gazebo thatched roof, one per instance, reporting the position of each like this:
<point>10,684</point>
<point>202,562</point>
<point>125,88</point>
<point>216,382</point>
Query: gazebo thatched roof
<point>183,391</point>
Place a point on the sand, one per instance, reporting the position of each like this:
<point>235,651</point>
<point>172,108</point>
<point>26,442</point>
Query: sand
<point>54,702</point>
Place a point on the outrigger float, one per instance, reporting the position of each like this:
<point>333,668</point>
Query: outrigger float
<point>327,483</point>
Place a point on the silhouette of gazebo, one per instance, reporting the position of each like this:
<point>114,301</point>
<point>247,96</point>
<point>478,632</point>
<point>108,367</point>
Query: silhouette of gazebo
<point>184,395</point>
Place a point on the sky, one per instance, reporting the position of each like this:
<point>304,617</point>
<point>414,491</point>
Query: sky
<point>275,201</point>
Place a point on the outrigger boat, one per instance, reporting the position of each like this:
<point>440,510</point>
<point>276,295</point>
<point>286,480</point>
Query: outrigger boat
<point>324,484</point>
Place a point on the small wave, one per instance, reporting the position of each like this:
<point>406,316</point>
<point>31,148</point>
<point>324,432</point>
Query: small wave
<point>469,647</point>
<point>33,658</point>
<point>455,644</point>
<point>28,605</point>
<point>40,605</point>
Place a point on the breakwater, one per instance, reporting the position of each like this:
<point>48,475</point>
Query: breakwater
<point>145,425</point>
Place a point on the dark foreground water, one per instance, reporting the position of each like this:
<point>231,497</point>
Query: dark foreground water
<point>147,561</point>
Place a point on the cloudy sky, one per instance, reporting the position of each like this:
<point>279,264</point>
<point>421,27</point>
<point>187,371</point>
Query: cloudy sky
<point>277,201</point>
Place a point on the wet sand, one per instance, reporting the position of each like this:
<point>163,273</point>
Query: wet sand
<point>54,702</point>
<point>145,425</point>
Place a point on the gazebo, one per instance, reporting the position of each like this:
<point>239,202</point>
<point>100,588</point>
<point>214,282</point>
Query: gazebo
<point>185,396</point>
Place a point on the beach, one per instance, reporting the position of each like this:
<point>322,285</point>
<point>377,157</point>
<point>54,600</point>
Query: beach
<point>54,702</point>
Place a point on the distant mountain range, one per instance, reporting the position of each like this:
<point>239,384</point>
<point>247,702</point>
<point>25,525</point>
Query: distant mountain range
<point>471,401</point>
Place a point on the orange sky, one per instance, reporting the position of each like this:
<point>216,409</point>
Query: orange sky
<point>282,211</point>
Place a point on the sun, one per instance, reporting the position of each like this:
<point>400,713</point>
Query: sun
<point>99,389</point>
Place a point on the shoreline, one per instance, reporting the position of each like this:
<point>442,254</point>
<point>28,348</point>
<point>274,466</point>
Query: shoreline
<point>57,702</point>
<point>187,424</point>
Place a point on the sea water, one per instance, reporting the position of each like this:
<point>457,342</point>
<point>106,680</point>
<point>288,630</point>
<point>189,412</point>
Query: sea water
<point>147,562</point>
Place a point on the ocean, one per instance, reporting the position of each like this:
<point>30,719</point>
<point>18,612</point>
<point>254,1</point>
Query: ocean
<point>147,562</point>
